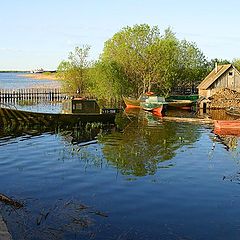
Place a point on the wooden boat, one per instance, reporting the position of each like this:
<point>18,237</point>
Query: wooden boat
<point>227,127</point>
<point>182,104</point>
<point>154,104</point>
<point>182,101</point>
<point>147,102</point>
<point>75,111</point>
<point>233,111</point>
<point>132,103</point>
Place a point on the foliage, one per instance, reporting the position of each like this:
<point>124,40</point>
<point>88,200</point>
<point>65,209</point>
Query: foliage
<point>154,62</point>
<point>107,81</point>
<point>236,63</point>
<point>192,65</point>
<point>133,48</point>
<point>212,63</point>
<point>74,72</point>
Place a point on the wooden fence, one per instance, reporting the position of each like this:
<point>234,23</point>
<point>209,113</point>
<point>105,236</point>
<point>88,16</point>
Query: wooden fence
<point>28,94</point>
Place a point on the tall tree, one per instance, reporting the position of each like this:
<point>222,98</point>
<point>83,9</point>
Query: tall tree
<point>134,49</point>
<point>192,65</point>
<point>74,72</point>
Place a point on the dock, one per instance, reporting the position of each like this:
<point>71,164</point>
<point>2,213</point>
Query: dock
<point>4,233</point>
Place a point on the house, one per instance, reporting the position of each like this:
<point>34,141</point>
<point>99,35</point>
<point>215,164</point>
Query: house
<point>221,77</point>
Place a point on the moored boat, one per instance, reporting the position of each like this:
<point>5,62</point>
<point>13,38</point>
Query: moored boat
<point>147,102</point>
<point>227,127</point>
<point>132,103</point>
<point>233,111</point>
<point>75,111</point>
<point>182,104</point>
<point>182,101</point>
<point>154,104</point>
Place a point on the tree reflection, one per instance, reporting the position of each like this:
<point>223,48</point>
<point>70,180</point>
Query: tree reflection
<point>146,142</point>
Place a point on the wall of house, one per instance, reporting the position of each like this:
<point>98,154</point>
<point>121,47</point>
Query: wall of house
<point>230,79</point>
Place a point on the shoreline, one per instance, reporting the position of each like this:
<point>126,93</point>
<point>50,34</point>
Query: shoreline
<point>40,76</point>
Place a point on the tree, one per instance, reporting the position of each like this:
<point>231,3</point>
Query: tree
<point>192,65</point>
<point>74,72</point>
<point>135,50</point>
<point>107,81</point>
<point>236,63</point>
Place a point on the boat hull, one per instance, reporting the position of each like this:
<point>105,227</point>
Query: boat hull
<point>227,127</point>
<point>181,104</point>
<point>131,103</point>
<point>15,117</point>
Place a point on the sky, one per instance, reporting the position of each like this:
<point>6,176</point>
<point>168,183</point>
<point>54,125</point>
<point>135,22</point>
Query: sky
<point>40,34</point>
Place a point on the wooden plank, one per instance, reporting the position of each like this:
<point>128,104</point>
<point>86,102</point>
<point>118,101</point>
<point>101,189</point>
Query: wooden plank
<point>4,233</point>
<point>189,120</point>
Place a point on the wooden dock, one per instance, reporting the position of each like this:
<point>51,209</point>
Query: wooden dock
<point>31,94</point>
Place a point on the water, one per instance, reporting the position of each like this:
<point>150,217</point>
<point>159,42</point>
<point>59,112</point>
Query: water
<point>145,178</point>
<point>18,80</point>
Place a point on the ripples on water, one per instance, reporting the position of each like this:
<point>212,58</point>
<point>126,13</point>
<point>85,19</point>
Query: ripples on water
<point>146,179</point>
<point>149,180</point>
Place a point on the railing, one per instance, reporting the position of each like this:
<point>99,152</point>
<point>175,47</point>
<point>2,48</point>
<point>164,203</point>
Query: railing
<point>28,94</point>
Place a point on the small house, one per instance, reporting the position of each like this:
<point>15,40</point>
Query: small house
<point>221,77</point>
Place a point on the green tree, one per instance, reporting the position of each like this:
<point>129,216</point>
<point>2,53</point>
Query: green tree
<point>136,50</point>
<point>108,81</point>
<point>74,72</point>
<point>236,63</point>
<point>192,65</point>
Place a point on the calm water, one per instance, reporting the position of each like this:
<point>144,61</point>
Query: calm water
<point>17,80</point>
<point>145,178</point>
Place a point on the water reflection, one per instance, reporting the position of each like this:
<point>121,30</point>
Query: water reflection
<point>145,142</point>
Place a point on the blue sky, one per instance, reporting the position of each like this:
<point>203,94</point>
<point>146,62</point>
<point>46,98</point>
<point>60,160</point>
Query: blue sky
<point>38,34</point>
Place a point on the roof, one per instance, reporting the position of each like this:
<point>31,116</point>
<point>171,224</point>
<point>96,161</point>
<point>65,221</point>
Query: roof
<point>213,76</point>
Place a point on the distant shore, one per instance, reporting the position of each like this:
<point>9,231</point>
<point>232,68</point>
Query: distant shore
<point>43,76</point>
<point>39,76</point>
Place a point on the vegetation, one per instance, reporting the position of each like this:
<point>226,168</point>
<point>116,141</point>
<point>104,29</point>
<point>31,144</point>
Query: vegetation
<point>75,71</point>
<point>135,60</point>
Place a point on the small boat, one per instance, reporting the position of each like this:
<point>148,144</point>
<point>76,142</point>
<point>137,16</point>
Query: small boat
<point>233,111</point>
<point>132,103</point>
<point>154,104</point>
<point>75,111</point>
<point>227,127</point>
<point>147,102</point>
<point>182,101</point>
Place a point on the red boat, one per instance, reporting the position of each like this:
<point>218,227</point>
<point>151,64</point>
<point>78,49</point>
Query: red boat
<point>227,127</point>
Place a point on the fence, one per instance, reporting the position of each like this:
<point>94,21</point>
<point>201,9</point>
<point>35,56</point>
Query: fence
<point>28,94</point>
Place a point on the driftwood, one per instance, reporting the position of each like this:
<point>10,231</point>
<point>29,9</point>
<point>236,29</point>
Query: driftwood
<point>10,201</point>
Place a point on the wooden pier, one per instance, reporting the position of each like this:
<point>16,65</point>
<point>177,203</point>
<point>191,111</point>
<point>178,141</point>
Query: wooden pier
<point>31,94</point>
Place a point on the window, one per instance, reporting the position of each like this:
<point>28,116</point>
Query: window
<point>230,73</point>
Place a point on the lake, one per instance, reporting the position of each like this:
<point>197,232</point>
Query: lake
<point>143,178</point>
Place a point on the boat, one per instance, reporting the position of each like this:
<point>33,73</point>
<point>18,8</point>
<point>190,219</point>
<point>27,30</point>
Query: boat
<point>227,127</point>
<point>182,104</point>
<point>182,101</point>
<point>147,102</point>
<point>233,111</point>
<point>75,111</point>
<point>131,103</point>
<point>154,104</point>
